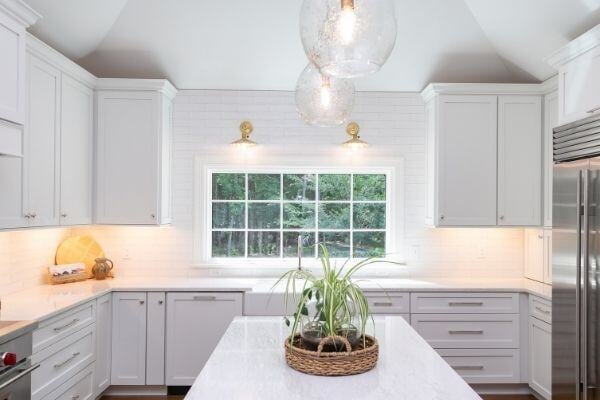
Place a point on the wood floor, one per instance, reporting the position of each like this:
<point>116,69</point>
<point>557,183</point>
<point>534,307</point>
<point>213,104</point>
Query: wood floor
<point>181,397</point>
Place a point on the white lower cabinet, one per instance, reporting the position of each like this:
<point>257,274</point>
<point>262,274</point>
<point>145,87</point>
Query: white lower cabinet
<point>79,387</point>
<point>484,365</point>
<point>540,347</point>
<point>128,363</point>
<point>195,324</point>
<point>103,343</point>
<point>155,346</point>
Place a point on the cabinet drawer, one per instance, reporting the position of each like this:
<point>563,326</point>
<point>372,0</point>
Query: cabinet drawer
<point>540,309</point>
<point>61,361</point>
<point>453,331</point>
<point>484,366</point>
<point>61,326</point>
<point>388,303</point>
<point>79,387</point>
<point>465,303</point>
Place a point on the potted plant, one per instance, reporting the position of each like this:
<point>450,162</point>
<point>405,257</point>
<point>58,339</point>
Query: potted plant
<point>331,311</point>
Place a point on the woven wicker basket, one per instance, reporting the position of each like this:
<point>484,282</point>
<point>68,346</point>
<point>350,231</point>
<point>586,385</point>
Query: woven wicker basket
<point>350,362</point>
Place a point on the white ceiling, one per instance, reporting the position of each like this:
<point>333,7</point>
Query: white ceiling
<point>241,44</point>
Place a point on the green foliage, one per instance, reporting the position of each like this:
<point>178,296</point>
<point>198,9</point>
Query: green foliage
<point>299,187</point>
<point>299,215</point>
<point>369,244</point>
<point>334,216</point>
<point>290,244</point>
<point>228,186</point>
<point>263,216</point>
<point>334,187</point>
<point>369,187</point>
<point>228,244</point>
<point>263,244</point>
<point>338,243</point>
<point>228,215</point>
<point>264,186</point>
<point>369,216</point>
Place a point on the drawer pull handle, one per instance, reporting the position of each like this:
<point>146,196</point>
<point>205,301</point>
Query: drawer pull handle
<point>68,360</point>
<point>205,298</point>
<point>477,332</point>
<point>593,110</point>
<point>60,328</point>
<point>540,309</point>
<point>383,304</point>
<point>468,367</point>
<point>465,303</point>
<point>76,397</point>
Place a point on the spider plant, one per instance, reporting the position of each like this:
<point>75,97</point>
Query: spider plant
<point>335,301</point>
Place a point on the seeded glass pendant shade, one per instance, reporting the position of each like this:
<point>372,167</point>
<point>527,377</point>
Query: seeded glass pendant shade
<point>321,100</point>
<point>348,38</point>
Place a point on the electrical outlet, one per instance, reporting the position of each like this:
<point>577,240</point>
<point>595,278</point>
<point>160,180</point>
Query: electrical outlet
<point>415,252</point>
<point>480,252</point>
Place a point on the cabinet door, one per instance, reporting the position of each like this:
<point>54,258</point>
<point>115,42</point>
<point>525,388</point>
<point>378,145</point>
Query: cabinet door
<point>519,160</point>
<point>195,324</point>
<point>540,359</point>
<point>548,256</point>
<point>103,344</point>
<point>128,356</point>
<point>12,211</point>
<point>550,122</point>
<point>12,70</point>
<point>41,143</point>
<point>466,169</point>
<point>534,254</point>
<point>155,348</point>
<point>579,87</point>
<point>128,158</point>
<point>77,120</point>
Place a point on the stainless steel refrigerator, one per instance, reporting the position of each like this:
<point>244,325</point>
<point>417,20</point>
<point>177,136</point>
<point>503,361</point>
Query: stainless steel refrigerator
<point>575,256</point>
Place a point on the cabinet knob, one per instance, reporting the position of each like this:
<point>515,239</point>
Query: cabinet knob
<point>142,301</point>
<point>153,216</point>
<point>63,215</point>
<point>540,236</point>
<point>442,217</point>
<point>160,302</point>
<point>27,216</point>
<point>502,218</point>
<point>33,215</point>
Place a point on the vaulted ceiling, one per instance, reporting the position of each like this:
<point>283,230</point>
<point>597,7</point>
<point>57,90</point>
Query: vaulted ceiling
<point>242,44</point>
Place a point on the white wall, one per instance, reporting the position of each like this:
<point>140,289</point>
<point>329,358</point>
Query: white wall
<point>393,123</point>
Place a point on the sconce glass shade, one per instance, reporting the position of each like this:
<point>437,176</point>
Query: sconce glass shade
<point>348,38</point>
<point>321,100</point>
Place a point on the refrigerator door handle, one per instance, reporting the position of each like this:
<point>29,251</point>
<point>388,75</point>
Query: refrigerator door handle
<point>578,290</point>
<point>584,282</point>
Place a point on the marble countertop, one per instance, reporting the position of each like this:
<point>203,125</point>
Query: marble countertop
<point>45,301</point>
<point>249,363</point>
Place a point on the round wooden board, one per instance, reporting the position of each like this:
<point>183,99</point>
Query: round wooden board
<point>79,249</point>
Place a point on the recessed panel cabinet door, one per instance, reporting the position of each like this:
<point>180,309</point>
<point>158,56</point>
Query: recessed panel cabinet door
<point>128,158</point>
<point>12,206</point>
<point>519,160</point>
<point>195,324</point>
<point>540,360</point>
<point>12,70</point>
<point>41,143</point>
<point>77,119</point>
<point>103,344</point>
<point>128,339</point>
<point>467,160</point>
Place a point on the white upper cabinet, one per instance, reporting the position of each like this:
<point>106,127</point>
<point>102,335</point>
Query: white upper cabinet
<point>484,148</point>
<point>578,66</point>
<point>519,160</point>
<point>41,143</point>
<point>15,17</point>
<point>76,156</point>
<point>550,122</point>
<point>133,152</point>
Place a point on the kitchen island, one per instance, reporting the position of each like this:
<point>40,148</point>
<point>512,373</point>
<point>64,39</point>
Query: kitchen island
<point>249,363</point>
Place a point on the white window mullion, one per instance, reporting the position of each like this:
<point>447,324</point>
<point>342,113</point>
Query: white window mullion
<point>246,234</point>
<point>351,216</point>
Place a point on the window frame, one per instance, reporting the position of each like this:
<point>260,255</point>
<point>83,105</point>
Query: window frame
<point>205,167</point>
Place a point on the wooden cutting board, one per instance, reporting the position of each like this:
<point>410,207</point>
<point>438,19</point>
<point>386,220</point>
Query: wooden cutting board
<point>79,249</point>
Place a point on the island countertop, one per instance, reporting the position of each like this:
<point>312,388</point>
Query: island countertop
<point>249,363</point>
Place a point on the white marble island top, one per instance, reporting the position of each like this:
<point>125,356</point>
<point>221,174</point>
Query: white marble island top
<point>249,363</point>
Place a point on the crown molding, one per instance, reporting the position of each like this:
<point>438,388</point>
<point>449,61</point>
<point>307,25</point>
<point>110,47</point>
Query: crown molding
<point>155,85</point>
<point>488,89</point>
<point>20,11</point>
<point>575,48</point>
<point>549,85</point>
<point>40,49</point>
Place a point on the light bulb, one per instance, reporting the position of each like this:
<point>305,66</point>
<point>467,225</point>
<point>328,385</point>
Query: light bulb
<point>325,93</point>
<point>347,24</point>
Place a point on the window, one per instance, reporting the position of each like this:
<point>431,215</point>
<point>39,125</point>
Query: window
<point>261,214</point>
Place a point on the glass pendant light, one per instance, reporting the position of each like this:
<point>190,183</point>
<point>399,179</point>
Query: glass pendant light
<point>348,38</point>
<point>322,100</point>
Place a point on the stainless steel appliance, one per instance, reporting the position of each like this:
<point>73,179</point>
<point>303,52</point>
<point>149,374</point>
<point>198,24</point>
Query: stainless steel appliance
<point>15,365</point>
<point>575,257</point>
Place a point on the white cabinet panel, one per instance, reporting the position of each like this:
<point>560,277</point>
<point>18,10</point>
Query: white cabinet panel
<point>534,254</point>
<point>103,344</point>
<point>41,143</point>
<point>76,158</point>
<point>466,154</point>
<point>579,86</point>
<point>540,357</point>
<point>155,347</point>
<point>388,303</point>
<point>519,160</point>
<point>548,256</point>
<point>195,324</point>
<point>12,70</point>
<point>12,205</point>
<point>79,387</point>
<point>464,303</point>
<point>484,365</point>
<point>550,122</point>
<point>128,356</point>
